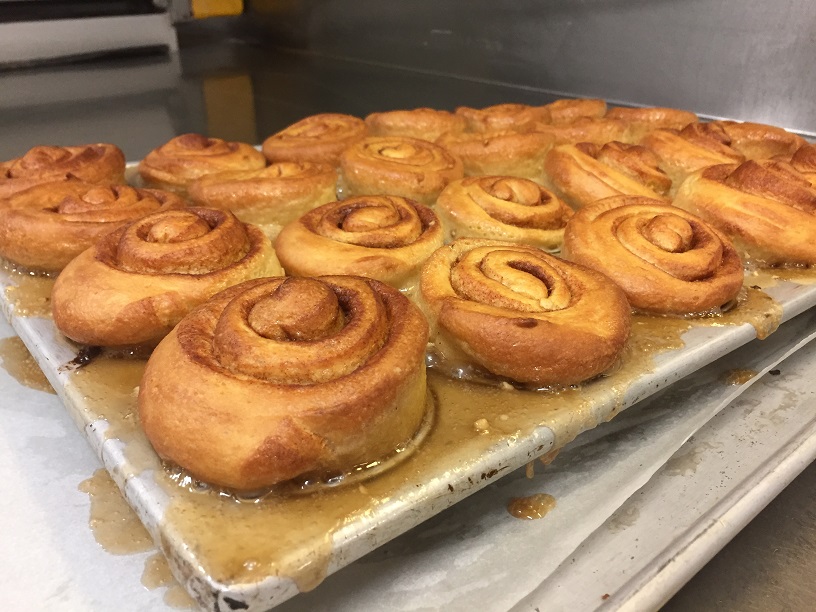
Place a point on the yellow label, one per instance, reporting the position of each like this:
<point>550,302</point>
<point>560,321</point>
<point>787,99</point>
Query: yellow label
<point>216,8</point>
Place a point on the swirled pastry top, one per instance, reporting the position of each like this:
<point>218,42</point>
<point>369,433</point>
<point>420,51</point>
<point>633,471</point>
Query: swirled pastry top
<point>48,225</point>
<point>665,259</point>
<point>505,152</point>
<point>641,121</point>
<point>520,313</point>
<point>291,376</point>
<point>423,123</point>
<point>397,165</point>
<point>94,163</point>
<point>278,193</point>
<point>567,110</point>
<point>804,161</point>
<point>185,158</point>
<point>597,130</point>
<point>760,141</point>
<point>136,283</point>
<point>318,138</point>
<point>585,172</point>
<point>501,117</point>
<point>383,237</point>
<point>503,208</point>
<point>767,207</point>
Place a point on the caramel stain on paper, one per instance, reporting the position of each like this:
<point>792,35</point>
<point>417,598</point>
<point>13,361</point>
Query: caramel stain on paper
<point>623,518</point>
<point>738,376</point>
<point>531,507</point>
<point>686,462</point>
<point>21,365</point>
<point>157,574</point>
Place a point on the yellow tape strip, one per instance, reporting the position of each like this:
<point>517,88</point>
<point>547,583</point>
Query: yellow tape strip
<point>216,8</point>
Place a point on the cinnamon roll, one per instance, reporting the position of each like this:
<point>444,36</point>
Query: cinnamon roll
<point>396,165</point>
<point>505,153</point>
<point>422,123</point>
<point>641,121</point>
<point>665,259</point>
<point>318,139</point>
<point>804,161</point>
<point>597,130</point>
<point>290,377</point>
<point>502,117</point>
<point>503,208</point>
<point>760,141</point>
<point>567,110</point>
<point>766,207</point>
<point>185,158</point>
<point>136,283</point>
<point>46,226</point>
<point>94,163</point>
<point>584,173</point>
<point>387,238</point>
<point>270,197</point>
<point>520,313</point>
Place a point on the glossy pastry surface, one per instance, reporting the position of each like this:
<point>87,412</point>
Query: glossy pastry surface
<point>640,121</point>
<point>503,208</point>
<point>387,238</point>
<point>804,161</point>
<point>567,110</point>
<point>499,152</point>
<point>519,313</point>
<point>422,123</point>
<point>597,130</point>
<point>136,283</point>
<point>760,141</point>
<point>277,378</point>
<point>318,139</point>
<point>501,117</point>
<point>46,226</point>
<point>665,259</point>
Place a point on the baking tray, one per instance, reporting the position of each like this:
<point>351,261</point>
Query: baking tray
<point>215,543</point>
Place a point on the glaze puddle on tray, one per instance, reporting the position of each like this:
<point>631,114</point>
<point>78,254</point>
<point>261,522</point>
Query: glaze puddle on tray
<point>21,365</point>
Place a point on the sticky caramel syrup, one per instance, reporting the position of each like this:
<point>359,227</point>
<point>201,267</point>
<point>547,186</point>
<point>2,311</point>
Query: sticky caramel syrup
<point>279,533</point>
<point>765,277</point>
<point>30,291</point>
<point>738,376</point>
<point>531,507</point>
<point>157,575</point>
<point>21,365</point>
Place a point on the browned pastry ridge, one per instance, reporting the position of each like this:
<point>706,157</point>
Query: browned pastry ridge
<point>318,139</point>
<point>766,207</point>
<point>503,208</point>
<point>641,121</point>
<point>665,259</point>
<point>505,152</point>
<point>398,165</point>
<point>94,163</point>
<point>597,130</point>
<point>183,159</point>
<point>387,238</point>
<point>804,161</point>
<point>272,196</point>
<point>760,141</point>
<point>136,283</point>
<point>277,378</point>
<point>585,173</point>
<point>520,313</point>
<point>568,110</point>
<point>502,117</point>
<point>422,123</point>
<point>46,226</point>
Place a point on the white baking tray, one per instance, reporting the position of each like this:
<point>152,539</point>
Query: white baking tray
<point>415,500</point>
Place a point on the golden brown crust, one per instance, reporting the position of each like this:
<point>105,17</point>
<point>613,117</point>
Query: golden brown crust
<point>46,226</point>
<point>518,312</point>
<point>271,196</point>
<point>760,141</point>
<point>289,391</point>
<point>397,165</point>
<point>319,139</point>
<point>136,283</point>
<point>665,259</point>
<point>641,121</point>
<point>387,238</point>
<point>499,153</point>
<point>568,110</point>
<point>585,173</point>
<point>95,163</point>
<point>502,117</point>
<point>598,131</point>
<point>422,123</point>
<point>766,207</point>
<point>804,161</point>
<point>503,208</point>
<point>183,159</point>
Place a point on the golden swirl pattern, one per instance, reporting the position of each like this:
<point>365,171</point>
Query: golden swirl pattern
<point>766,207</point>
<point>503,208</point>
<point>274,195</point>
<point>665,259</point>
<point>314,376</point>
<point>318,139</point>
<point>94,163</point>
<point>505,153</point>
<point>137,282</point>
<point>386,238</point>
<point>520,313</point>
<point>422,123</point>
<point>183,159</point>
<point>402,166</point>
<point>48,225</point>
<point>502,117</point>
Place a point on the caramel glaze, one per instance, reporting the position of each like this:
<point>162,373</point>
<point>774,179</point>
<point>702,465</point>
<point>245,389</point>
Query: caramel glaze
<point>739,376</point>
<point>765,278</point>
<point>30,291</point>
<point>157,574</point>
<point>531,507</point>
<point>297,526</point>
<point>20,365</point>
